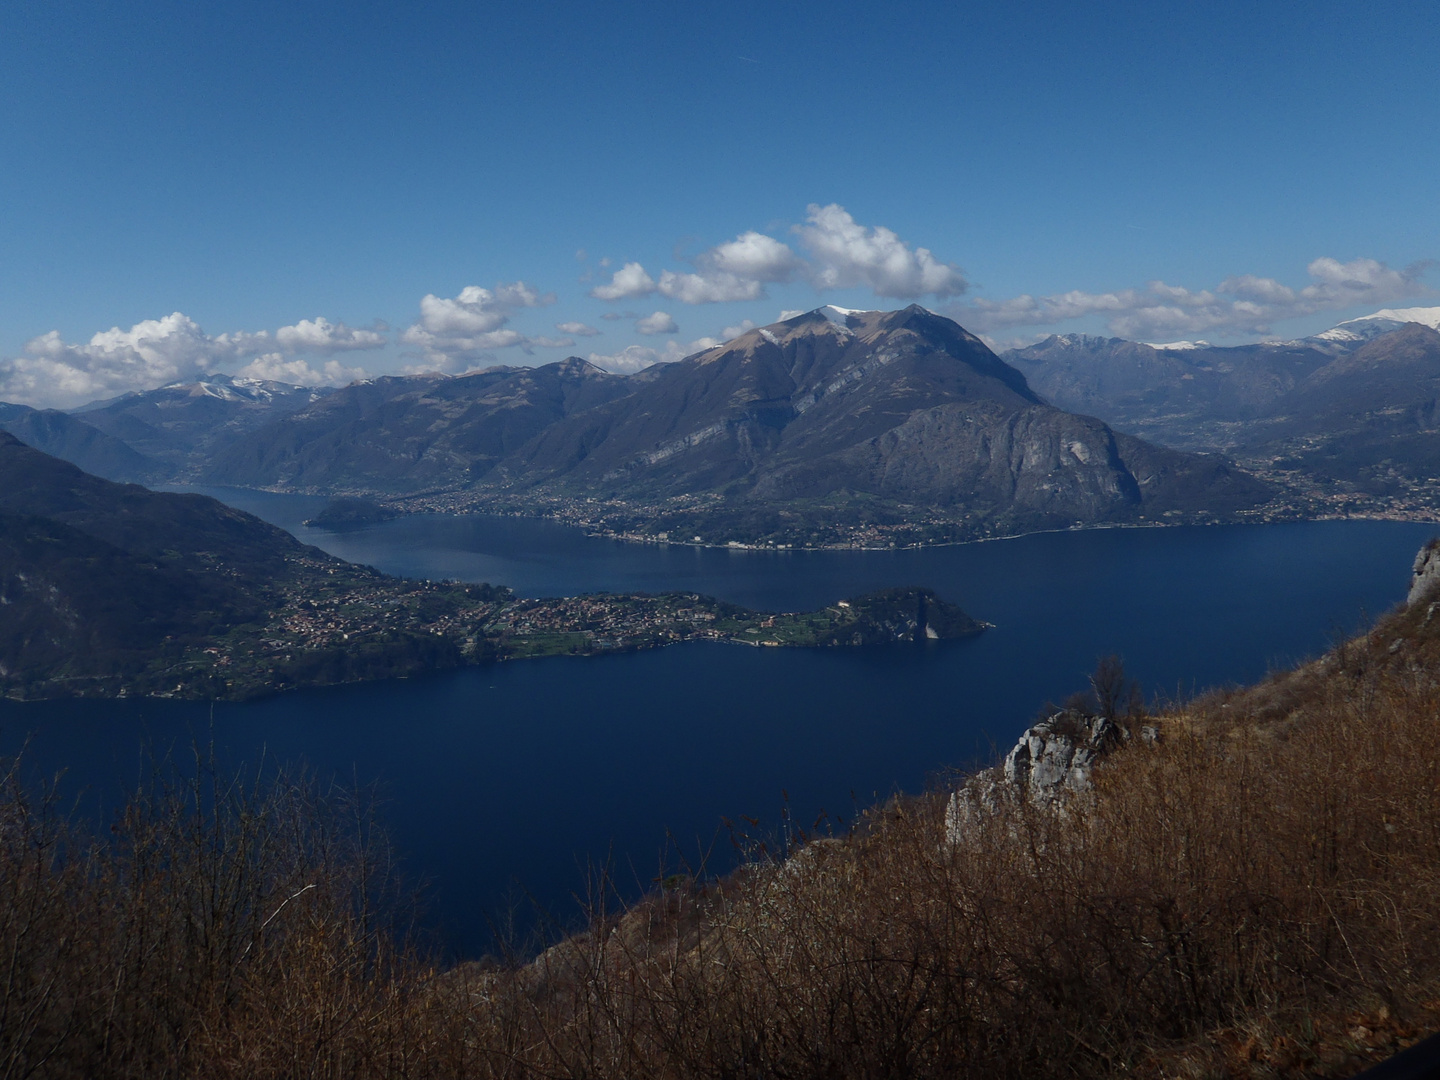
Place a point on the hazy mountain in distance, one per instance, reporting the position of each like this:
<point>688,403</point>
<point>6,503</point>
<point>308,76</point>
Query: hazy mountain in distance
<point>71,439</point>
<point>413,433</point>
<point>183,425</point>
<point>1370,418</point>
<point>1348,412</point>
<point>1195,397</point>
<point>1192,395</point>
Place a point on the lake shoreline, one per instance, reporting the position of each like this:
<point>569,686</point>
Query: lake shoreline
<point>497,772</point>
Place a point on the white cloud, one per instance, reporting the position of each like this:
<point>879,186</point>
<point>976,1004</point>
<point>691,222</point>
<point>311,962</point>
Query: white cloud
<point>461,329</point>
<point>659,323</point>
<point>1241,305</point>
<point>476,310</point>
<point>155,352</point>
<point>322,336</point>
<point>628,360</point>
<point>737,270</point>
<point>846,254</point>
<point>710,287</point>
<point>843,254</point>
<point>735,331</point>
<point>754,256</point>
<point>578,329</point>
<point>151,353</point>
<point>629,282</point>
<point>274,367</point>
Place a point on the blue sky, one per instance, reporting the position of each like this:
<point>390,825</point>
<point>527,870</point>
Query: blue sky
<point>295,179</point>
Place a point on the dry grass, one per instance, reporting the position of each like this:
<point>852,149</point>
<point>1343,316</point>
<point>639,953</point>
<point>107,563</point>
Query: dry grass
<point>1256,895</point>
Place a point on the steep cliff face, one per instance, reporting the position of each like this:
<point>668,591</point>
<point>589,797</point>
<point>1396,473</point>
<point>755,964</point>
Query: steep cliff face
<point>1035,458</point>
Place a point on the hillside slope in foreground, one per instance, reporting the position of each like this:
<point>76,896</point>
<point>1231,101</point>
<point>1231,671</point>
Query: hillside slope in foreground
<point>1247,885</point>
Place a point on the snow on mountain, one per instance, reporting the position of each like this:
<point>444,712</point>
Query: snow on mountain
<point>1425,316</point>
<point>838,315</point>
<point>1367,327</point>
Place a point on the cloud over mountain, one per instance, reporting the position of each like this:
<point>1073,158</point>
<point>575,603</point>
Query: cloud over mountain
<point>841,254</point>
<point>662,322</point>
<point>153,352</point>
<point>462,328</point>
<point>628,282</point>
<point>324,337</point>
<point>1244,304</point>
<point>845,253</point>
<point>273,367</point>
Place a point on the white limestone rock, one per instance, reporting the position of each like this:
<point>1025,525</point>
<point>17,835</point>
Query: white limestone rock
<point>1052,759</point>
<point>1425,575</point>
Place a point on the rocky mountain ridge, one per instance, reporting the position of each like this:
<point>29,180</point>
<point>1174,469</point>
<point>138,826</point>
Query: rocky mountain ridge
<point>890,427</point>
<point>832,415</point>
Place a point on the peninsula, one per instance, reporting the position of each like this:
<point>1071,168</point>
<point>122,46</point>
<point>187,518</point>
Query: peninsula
<point>111,590</point>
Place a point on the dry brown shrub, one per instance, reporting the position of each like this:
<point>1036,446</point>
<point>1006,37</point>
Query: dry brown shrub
<point>1270,867</point>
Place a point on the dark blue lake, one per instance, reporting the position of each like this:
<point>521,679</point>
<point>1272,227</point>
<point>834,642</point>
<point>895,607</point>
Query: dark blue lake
<point>507,781</point>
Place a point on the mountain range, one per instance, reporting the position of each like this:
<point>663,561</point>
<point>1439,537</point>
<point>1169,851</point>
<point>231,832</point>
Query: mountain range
<point>900,423</point>
<point>859,416</point>
<point>1352,408</point>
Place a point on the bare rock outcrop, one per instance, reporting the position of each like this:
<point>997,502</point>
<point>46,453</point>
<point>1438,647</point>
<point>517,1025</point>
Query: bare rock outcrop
<point>1425,576</point>
<point>1051,760</point>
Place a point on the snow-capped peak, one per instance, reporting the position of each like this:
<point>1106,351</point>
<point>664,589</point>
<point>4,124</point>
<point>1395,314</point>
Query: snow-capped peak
<point>838,315</point>
<point>1381,322</point>
<point>1425,316</point>
<point>1178,346</point>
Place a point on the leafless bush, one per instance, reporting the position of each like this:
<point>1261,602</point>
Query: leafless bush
<point>222,928</point>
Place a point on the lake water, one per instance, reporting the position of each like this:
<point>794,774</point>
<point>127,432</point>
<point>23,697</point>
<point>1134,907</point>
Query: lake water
<point>506,782</point>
